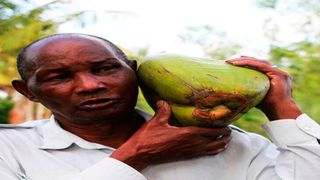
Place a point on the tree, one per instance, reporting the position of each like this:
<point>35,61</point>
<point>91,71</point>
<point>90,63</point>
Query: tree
<point>17,30</point>
<point>302,61</point>
<point>18,27</point>
<point>301,58</point>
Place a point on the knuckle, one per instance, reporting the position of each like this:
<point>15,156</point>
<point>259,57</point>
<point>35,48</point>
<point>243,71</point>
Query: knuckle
<point>286,76</point>
<point>265,62</point>
<point>228,131</point>
<point>186,131</point>
<point>226,139</point>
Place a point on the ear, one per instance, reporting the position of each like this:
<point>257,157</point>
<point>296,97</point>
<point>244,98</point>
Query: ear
<point>132,64</point>
<point>22,88</point>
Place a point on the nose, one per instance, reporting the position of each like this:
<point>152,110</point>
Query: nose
<point>88,83</point>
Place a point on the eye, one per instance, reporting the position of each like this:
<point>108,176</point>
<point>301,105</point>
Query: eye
<point>58,77</point>
<point>104,69</point>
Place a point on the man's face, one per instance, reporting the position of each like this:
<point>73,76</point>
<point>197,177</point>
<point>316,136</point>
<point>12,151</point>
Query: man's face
<point>81,80</point>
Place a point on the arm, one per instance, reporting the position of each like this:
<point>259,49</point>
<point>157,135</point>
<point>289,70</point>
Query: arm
<point>157,141</point>
<point>294,133</point>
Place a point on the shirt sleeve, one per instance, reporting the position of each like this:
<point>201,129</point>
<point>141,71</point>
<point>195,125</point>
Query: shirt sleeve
<point>110,169</point>
<point>299,150</point>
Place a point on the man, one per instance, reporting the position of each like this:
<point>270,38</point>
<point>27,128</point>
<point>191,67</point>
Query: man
<point>95,132</point>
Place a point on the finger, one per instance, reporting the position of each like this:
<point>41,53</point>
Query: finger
<point>251,58</point>
<point>219,143</point>
<point>218,146</point>
<point>247,58</point>
<point>260,65</point>
<point>249,62</point>
<point>263,66</point>
<point>208,132</point>
<point>163,112</point>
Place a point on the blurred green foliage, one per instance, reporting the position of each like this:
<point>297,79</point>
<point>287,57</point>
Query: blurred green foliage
<point>17,29</point>
<point>301,60</point>
<point>6,104</point>
<point>22,23</point>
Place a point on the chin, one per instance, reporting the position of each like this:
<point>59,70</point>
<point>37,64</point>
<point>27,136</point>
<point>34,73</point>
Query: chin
<point>102,115</point>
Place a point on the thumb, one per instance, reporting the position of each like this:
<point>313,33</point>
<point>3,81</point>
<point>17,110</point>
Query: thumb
<point>163,112</point>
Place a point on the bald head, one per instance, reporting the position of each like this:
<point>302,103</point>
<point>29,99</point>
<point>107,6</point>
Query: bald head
<point>26,60</point>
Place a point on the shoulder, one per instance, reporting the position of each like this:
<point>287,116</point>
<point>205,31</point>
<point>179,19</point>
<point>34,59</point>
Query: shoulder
<point>27,125</point>
<point>249,136</point>
<point>12,133</point>
<point>250,142</point>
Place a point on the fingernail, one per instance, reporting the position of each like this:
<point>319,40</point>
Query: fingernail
<point>159,103</point>
<point>230,61</point>
<point>219,137</point>
<point>162,103</point>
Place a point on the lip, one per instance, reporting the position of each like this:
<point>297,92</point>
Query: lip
<point>97,103</point>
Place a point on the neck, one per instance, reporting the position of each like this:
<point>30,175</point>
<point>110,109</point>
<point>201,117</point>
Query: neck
<point>112,133</point>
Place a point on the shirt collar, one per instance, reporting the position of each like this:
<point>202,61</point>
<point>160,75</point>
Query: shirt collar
<point>54,137</point>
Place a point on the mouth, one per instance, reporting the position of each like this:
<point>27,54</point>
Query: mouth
<point>97,103</point>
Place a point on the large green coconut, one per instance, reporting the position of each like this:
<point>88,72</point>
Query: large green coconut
<point>201,92</point>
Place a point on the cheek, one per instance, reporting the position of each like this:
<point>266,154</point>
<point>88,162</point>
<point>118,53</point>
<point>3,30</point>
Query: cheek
<point>126,85</point>
<point>53,95</point>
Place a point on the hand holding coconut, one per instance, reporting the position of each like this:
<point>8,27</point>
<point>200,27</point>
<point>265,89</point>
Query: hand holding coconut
<point>278,103</point>
<point>157,141</point>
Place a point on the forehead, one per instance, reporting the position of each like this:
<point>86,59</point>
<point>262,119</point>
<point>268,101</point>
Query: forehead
<point>68,48</point>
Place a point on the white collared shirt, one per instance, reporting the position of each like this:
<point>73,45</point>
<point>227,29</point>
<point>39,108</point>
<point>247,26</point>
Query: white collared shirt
<point>42,150</point>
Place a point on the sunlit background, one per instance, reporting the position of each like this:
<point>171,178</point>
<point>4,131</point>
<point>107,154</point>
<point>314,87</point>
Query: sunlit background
<point>286,32</point>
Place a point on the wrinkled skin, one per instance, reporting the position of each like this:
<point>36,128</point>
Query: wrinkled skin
<point>68,74</point>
